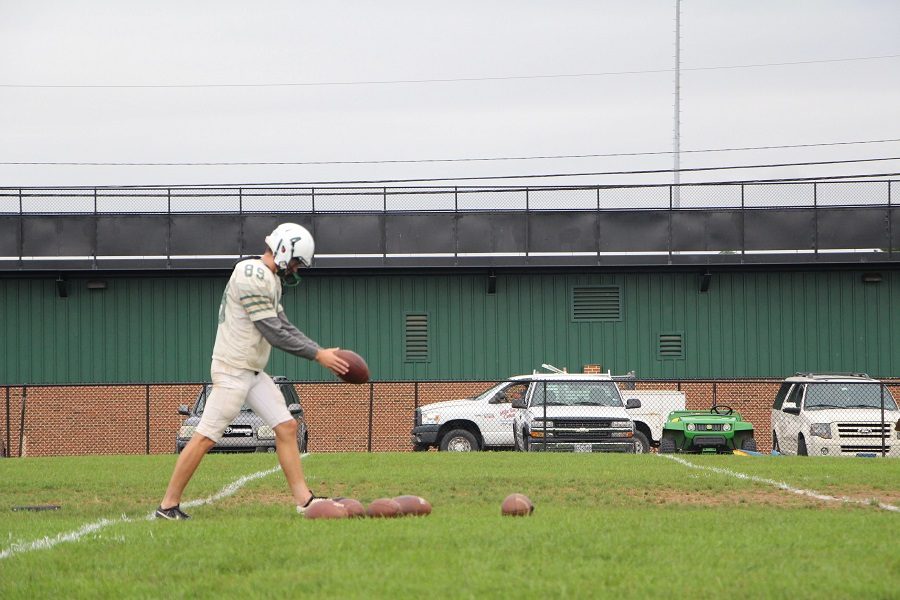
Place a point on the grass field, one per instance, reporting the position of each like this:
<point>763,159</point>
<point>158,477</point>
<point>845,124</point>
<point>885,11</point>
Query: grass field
<point>604,526</point>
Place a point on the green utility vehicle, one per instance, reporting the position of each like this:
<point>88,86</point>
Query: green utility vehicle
<point>717,430</point>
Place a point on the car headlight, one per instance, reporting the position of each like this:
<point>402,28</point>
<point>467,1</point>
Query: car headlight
<point>431,418</point>
<point>541,424</point>
<point>620,424</point>
<point>265,433</point>
<point>186,431</point>
<point>691,427</point>
<point>822,430</point>
<point>726,427</point>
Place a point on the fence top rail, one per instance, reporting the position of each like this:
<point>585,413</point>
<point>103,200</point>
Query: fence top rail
<point>894,380</point>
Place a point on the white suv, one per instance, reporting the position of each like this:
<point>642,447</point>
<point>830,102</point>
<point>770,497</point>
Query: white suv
<point>838,414</point>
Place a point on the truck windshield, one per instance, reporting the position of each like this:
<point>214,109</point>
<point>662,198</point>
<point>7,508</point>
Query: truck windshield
<point>821,396</point>
<point>491,391</point>
<point>576,393</point>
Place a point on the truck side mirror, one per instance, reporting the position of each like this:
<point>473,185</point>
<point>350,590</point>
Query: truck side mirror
<point>184,410</point>
<point>519,403</point>
<point>295,409</point>
<point>632,403</point>
<point>791,408</point>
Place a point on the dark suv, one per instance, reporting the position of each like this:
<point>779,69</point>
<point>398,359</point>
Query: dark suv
<point>247,432</point>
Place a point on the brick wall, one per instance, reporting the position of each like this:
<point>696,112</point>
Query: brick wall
<point>113,419</point>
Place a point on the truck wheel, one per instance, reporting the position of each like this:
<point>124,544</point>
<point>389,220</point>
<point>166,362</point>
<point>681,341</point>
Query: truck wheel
<point>641,443</point>
<point>666,445</point>
<point>749,444</point>
<point>459,440</point>
<point>420,447</point>
<point>801,446</point>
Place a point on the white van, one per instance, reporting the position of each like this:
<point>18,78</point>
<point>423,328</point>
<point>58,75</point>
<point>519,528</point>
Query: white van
<point>838,414</point>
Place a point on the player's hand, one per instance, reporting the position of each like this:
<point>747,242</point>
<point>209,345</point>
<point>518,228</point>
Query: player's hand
<point>328,358</point>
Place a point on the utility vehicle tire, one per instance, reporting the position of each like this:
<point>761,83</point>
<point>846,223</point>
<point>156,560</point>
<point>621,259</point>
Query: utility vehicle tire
<point>666,445</point>
<point>801,446</point>
<point>641,443</point>
<point>749,444</point>
<point>459,440</point>
<point>420,447</point>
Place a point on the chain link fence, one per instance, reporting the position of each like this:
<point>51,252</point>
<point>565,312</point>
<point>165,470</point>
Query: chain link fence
<point>164,200</point>
<point>810,415</point>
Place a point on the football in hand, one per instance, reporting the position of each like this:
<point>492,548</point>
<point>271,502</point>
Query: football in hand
<point>359,370</point>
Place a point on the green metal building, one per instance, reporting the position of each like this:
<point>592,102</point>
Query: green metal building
<point>468,325</point>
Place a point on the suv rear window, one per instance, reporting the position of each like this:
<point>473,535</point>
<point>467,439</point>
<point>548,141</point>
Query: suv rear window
<point>204,394</point>
<point>848,395</point>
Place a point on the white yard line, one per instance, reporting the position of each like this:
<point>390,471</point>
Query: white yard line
<point>45,543</point>
<point>784,486</point>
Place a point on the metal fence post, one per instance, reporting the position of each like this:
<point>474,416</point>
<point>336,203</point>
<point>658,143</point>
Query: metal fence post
<point>21,244</point>
<point>147,416</point>
<point>816,220</point>
<point>371,410</point>
<point>96,229</point>
<point>882,426</point>
<point>22,421</point>
<point>7,446</point>
<point>889,221</point>
<point>669,230</point>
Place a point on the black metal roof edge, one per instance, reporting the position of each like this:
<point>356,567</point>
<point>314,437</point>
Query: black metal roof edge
<point>468,270</point>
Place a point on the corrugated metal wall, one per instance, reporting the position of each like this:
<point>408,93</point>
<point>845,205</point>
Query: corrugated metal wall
<point>747,324</point>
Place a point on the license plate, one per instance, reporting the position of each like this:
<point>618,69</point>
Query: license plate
<point>582,447</point>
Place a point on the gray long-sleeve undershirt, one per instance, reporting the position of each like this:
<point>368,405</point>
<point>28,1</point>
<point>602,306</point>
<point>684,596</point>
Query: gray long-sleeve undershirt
<point>282,334</point>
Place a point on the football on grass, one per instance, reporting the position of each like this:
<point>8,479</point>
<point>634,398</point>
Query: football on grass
<point>413,505</point>
<point>325,509</point>
<point>383,507</point>
<point>517,505</point>
<point>359,370</point>
<point>354,507</point>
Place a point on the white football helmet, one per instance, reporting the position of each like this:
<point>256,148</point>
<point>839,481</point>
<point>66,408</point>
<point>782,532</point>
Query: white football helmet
<point>289,241</point>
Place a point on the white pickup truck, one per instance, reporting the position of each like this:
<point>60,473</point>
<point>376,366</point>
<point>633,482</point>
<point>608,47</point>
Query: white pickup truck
<point>504,416</point>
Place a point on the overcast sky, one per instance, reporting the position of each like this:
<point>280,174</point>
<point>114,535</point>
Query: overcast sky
<point>168,43</point>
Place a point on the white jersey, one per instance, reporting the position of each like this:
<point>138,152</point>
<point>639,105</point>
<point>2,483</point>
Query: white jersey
<point>253,293</point>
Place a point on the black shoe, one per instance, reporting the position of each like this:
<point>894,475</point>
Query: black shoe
<point>312,500</point>
<point>172,514</point>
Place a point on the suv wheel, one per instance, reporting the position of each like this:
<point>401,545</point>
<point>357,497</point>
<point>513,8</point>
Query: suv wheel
<point>801,446</point>
<point>749,444</point>
<point>459,440</point>
<point>666,445</point>
<point>641,443</point>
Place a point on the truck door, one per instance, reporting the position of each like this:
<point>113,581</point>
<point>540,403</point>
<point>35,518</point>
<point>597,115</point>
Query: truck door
<point>497,426</point>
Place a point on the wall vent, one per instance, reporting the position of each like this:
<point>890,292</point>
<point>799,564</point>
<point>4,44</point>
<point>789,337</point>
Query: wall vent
<point>415,337</point>
<point>670,345</point>
<point>597,303</point>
